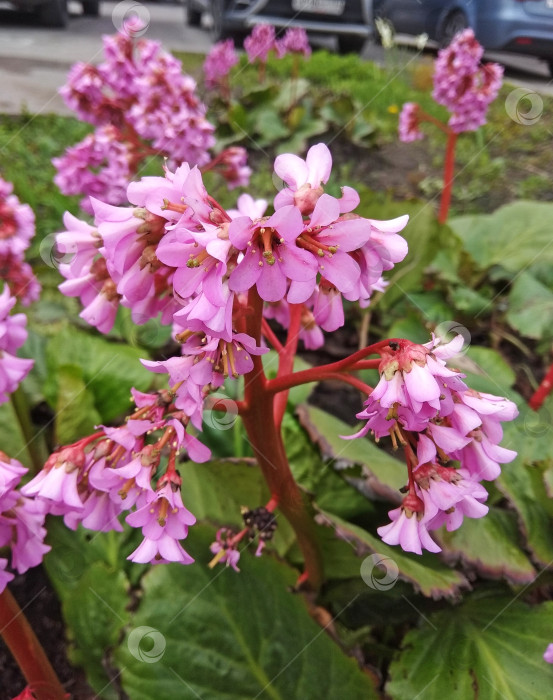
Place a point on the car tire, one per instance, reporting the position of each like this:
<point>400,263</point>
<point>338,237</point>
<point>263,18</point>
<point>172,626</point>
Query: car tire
<point>550,66</point>
<point>350,44</point>
<point>54,14</point>
<point>91,8</point>
<point>454,23</point>
<point>192,16</point>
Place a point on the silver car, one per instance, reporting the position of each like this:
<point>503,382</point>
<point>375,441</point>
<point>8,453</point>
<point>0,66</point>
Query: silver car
<point>349,20</point>
<point>521,26</point>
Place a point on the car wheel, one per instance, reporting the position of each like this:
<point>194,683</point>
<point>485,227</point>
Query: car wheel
<point>550,65</point>
<point>452,25</point>
<point>350,44</point>
<point>54,14</point>
<point>192,16</point>
<point>91,8</point>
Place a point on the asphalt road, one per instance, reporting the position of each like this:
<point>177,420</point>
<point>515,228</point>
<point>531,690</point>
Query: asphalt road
<point>34,61</point>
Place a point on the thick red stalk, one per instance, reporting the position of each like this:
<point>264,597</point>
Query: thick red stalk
<point>286,358</point>
<point>265,438</point>
<point>541,393</point>
<point>28,651</point>
<point>449,167</point>
<point>315,374</point>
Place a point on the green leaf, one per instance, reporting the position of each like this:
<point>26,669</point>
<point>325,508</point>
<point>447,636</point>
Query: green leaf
<point>487,371</point>
<point>490,546</point>
<point>514,236</point>
<point>382,474</point>
<point>225,635</point>
<point>319,477</point>
<point>85,570</point>
<point>109,370</point>
<point>96,613</point>
<point>523,486</point>
<point>488,648</point>
<point>216,490</point>
<point>75,412</point>
<point>531,307</point>
<point>426,573</point>
<point>13,441</point>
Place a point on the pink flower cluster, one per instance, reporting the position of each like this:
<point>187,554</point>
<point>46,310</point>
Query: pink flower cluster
<point>294,41</point>
<point>177,253</point>
<point>17,228</point>
<point>427,408</point>
<point>263,40</point>
<point>21,523</point>
<point>463,84</point>
<point>260,43</point>
<point>409,123</point>
<point>221,58</point>
<point>12,336</point>
<point>97,479</point>
<point>141,104</point>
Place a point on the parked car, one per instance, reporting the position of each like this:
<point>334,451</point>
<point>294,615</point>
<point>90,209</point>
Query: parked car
<point>521,26</point>
<point>349,20</point>
<point>54,13</point>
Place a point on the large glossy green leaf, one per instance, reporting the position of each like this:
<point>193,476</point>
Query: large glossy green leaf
<point>514,236</point>
<point>217,634</point>
<point>523,486</point>
<point>96,613</point>
<point>490,545</point>
<point>530,309</point>
<point>426,573</point>
<point>109,370</point>
<point>86,571</point>
<point>13,441</point>
<point>489,648</point>
<point>75,412</point>
<point>381,474</point>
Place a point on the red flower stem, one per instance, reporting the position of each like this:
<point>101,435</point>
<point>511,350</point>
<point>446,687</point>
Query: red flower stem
<point>27,650</point>
<point>315,374</point>
<point>425,117</point>
<point>259,421</point>
<point>271,337</point>
<point>541,393</point>
<point>449,167</point>
<point>348,379</point>
<point>286,359</point>
<point>365,364</point>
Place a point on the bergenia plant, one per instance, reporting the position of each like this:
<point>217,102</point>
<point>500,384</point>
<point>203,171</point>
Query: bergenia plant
<point>466,87</point>
<point>17,228</point>
<point>219,277</point>
<point>142,106</point>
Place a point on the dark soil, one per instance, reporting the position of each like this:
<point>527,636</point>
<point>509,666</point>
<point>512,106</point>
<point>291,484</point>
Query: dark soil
<point>35,594</point>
